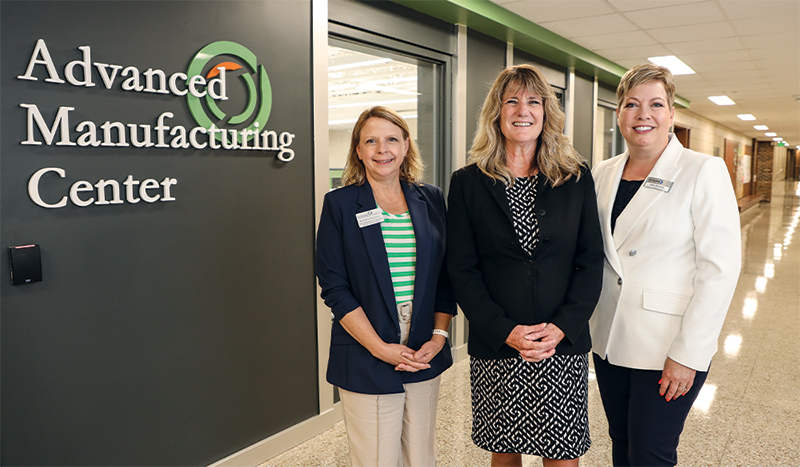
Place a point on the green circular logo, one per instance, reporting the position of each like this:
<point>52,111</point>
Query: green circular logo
<point>259,101</point>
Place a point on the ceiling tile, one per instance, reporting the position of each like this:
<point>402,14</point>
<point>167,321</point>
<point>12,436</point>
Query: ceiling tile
<point>718,30</point>
<point>615,40</point>
<point>738,9</point>
<point>637,54</point>
<point>678,15</point>
<point>716,57</point>
<point>593,26</point>
<point>727,44</point>
<point>632,5</point>
<point>540,11</point>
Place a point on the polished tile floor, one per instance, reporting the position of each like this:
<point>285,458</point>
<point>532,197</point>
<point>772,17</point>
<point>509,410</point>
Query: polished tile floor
<point>748,413</point>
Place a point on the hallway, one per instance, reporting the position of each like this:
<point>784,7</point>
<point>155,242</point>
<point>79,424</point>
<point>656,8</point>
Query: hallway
<point>748,413</point>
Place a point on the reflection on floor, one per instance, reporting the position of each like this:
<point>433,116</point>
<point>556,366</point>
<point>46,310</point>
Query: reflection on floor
<point>748,413</point>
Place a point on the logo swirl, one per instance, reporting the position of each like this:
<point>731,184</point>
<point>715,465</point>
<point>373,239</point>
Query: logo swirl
<point>259,102</point>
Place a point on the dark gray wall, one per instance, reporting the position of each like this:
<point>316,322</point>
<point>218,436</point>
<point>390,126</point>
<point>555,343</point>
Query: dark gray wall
<point>171,333</point>
<point>486,58</point>
<point>584,110</point>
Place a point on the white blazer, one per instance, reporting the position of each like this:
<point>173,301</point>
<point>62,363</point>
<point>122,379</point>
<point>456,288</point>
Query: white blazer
<point>672,263</point>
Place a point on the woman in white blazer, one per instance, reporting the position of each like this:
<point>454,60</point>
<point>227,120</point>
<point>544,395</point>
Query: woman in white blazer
<point>671,236</point>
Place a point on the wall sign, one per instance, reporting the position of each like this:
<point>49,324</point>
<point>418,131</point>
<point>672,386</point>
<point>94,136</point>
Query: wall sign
<point>203,85</point>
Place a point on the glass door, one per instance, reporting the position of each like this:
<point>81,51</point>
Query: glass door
<point>362,76</point>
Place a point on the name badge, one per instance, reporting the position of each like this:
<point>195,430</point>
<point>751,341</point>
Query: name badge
<point>658,184</point>
<point>367,218</point>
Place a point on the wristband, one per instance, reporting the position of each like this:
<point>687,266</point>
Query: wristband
<point>442,333</point>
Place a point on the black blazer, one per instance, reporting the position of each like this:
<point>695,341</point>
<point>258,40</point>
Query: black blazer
<point>498,285</point>
<point>353,271</point>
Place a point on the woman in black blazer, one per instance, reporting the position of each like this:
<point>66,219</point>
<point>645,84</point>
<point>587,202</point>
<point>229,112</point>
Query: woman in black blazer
<point>525,258</point>
<point>380,264</point>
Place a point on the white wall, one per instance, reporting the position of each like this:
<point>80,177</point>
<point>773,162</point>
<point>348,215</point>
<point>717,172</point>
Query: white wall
<point>705,134</point>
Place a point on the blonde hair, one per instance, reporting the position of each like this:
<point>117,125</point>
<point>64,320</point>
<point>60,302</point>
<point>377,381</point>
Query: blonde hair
<point>555,157</point>
<point>412,170</point>
<point>642,74</point>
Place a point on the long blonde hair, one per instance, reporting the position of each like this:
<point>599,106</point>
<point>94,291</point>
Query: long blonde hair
<point>412,169</point>
<point>556,158</point>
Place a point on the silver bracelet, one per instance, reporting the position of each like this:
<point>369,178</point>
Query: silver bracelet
<point>442,332</point>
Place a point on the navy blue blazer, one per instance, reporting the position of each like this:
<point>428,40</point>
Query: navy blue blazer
<point>353,270</point>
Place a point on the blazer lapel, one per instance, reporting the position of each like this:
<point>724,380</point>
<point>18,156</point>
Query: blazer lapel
<point>666,168</point>
<point>376,250</point>
<point>498,190</point>
<point>606,196</point>
<point>422,233</point>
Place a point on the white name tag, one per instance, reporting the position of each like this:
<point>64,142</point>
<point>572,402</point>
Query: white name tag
<point>658,184</point>
<point>367,218</point>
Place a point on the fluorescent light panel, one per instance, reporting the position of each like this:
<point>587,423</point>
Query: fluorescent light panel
<point>673,63</point>
<point>761,127</point>
<point>746,117</point>
<point>721,100</point>
<point>771,133</point>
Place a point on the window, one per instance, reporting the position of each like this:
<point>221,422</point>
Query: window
<point>608,139</point>
<point>361,76</point>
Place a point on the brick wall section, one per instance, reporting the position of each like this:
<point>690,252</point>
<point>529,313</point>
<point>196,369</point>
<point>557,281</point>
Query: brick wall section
<point>764,156</point>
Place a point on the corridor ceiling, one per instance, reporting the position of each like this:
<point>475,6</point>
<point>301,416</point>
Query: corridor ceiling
<point>748,50</point>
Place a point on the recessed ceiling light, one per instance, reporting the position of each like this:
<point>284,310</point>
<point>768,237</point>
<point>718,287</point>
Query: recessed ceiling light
<point>746,117</point>
<point>673,63</point>
<point>777,139</point>
<point>761,127</point>
<point>770,134</point>
<point>721,100</point>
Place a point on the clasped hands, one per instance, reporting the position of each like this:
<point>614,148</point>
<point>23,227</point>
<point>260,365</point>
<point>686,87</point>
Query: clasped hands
<point>407,359</point>
<point>536,342</point>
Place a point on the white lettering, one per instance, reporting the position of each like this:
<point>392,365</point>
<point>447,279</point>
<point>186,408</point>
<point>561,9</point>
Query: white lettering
<point>166,183</point>
<point>162,89</point>
<point>90,137</point>
<point>86,64</point>
<point>129,184</point>
<point>193,83</point>
<point>107,80</point>
<point>99,190</point>
<point>161,128</point>
<point>220,94</point>
<point>77,187</point>
<point>173,85</point>
<point>193,137</point>
<point>148,184</point>
<point>33,188</point>
<point>286,154</point>
<point>61,122</point>
<point>41,49</point>
<point>132,83</point>
<point>107,127</point>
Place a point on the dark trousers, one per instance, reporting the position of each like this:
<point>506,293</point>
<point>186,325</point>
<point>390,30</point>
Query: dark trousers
<point>644,427</point>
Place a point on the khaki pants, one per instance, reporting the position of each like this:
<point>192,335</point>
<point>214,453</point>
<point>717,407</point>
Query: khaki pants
<point>392,430</point>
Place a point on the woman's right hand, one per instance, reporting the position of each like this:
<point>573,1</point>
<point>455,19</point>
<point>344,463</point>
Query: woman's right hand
<point>401,356</point>
<point>526,339</point>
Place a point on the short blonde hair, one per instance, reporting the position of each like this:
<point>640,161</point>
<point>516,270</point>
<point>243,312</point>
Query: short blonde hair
<point>354,173</point>
<point>556,158</point>
<point>642,74</point>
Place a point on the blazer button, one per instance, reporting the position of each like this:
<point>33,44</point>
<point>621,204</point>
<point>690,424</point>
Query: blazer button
<point>541,212</point>
<point>633,252</point>
<point>619,281</point>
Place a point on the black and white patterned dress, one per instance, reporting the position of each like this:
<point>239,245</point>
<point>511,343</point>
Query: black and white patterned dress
<point>530,408</point>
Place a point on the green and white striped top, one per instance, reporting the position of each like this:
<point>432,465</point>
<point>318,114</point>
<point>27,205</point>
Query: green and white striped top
<point>401,248</point>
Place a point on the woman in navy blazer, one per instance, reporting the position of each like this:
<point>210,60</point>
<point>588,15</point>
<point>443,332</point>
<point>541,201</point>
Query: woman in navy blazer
<point>386,366</point>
